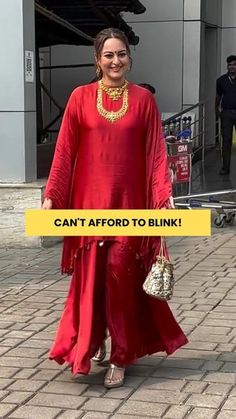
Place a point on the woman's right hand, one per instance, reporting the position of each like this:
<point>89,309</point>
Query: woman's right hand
<point>47,204</point>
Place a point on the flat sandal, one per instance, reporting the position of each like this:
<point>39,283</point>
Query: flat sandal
<point>100,354</point>
<point>108,383</point>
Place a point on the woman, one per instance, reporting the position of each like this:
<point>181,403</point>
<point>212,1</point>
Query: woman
<point>110,154</point>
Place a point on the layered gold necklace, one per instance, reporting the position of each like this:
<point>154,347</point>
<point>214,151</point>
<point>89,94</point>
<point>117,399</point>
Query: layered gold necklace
<point>114,93</point>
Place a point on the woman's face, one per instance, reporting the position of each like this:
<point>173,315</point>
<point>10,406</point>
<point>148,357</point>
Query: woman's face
<point>114,60</point>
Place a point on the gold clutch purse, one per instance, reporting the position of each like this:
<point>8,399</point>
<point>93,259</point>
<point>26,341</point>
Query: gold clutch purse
<point>160,280</point>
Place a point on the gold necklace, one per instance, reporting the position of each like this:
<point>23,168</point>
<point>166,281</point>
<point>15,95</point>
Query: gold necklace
<point>112,116</point>
<point>113,92</point>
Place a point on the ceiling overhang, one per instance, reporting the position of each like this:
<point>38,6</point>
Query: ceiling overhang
<point>76,22</point>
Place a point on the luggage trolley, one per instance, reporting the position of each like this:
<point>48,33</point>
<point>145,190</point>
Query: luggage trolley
<point>180,151</point>
<point>180,165</point>
<point>225,210</point>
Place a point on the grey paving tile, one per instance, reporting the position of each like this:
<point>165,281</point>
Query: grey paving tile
<point>119,393</point>
<point>144,409</point>
<point>95,391</point>
<point>96,415</point>
<point>19,362</point>
<point>26,352</point>
<point>17,397</point>
<point>27,385</point>
<point>162,396</point>
<point>183,363</point>
<point>220,377</point>
<point>219,389</point>
<point>163,384</point>
<point>101,404</point>
<point>5,382</point>
<point>56,400</point>
<point>5,409</point>
<point>177,412</point>
<point>226,414</point>
<point>32,412</point>
<point>72,414</point>
<point>36,343</point>
<point>205,400</point>
<point>178,373</point>
<point>202,413</point>
<point>195,387</point>
<point>61,388</point>
<point>24,373</point>
<point>8,372</point>
<point>45,375</point>
<point>230,404</point>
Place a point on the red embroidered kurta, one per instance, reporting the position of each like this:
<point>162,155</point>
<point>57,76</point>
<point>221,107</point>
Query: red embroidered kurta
<point>103,165</point>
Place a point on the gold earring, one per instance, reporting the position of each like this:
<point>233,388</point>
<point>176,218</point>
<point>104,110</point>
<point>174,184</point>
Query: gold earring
<point>98,70</point>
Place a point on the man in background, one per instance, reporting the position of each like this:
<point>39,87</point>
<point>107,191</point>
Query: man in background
<point>148,87</point>
<point>225,105</point>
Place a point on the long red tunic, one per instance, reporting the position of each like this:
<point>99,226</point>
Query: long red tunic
<point>103,165</point>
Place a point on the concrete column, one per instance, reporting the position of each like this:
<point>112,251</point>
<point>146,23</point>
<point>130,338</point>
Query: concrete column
<point>191,52</point>
<point>191,62</point>
<point>18,95</point>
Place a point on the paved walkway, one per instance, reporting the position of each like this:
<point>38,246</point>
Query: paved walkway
<point>196,382</point>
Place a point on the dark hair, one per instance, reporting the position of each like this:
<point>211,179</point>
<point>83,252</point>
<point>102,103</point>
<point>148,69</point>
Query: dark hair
<point>231,58</point>
<point>148,87</point>
<point>102,37</point>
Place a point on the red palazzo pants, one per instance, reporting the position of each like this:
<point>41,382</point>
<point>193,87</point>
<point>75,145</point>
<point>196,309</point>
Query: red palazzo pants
<point>106,293</point>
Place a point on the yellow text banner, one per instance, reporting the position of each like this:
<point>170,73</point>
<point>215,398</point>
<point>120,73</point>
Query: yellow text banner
<point>118,222</point>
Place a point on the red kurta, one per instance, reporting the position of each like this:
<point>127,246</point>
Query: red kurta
<point>103,165</point>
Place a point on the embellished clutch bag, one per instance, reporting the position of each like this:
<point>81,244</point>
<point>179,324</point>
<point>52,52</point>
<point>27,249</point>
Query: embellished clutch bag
<point>159,282</point>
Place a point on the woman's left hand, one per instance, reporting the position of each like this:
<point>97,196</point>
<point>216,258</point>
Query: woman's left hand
<point>171,202</point>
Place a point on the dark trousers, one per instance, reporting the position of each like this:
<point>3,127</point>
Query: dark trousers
<point>228,122</point>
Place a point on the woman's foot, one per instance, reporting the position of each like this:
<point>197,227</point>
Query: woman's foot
<point>100,354</point>
<point>114,377</point>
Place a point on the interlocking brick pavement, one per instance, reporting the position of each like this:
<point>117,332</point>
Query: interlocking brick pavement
<point>198,381</point>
